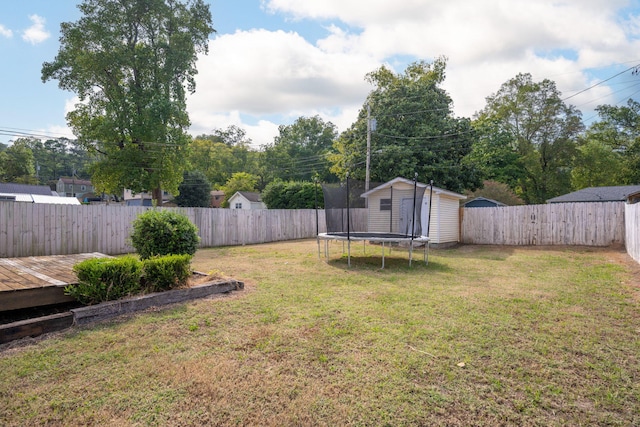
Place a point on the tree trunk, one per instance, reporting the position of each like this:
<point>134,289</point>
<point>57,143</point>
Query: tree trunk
<point>156,196</point>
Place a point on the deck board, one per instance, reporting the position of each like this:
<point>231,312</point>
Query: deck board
<point>22,278</point>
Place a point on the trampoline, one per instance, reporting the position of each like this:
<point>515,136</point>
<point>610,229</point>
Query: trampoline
<point>381,238</point>
<point>339,200</point>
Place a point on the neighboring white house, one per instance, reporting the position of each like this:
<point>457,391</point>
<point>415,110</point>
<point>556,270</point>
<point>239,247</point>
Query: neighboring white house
<point>390,206</point>
<point>246,200</point>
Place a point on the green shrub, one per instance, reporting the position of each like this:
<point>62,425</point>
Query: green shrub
<point>162,232</point>
<point>292,195</point>
<point>166,272</point>
<point>105,279</point>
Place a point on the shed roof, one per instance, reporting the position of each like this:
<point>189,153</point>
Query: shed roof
<point>75,181</point>
<point>483,201</point>
<point>250,196</point>
<point>39,198</point>
<point>598,194</point>
<point>394,181</point>
<point>14,188</point>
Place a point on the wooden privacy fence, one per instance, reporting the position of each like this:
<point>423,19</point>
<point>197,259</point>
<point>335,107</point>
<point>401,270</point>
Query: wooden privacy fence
<point>589,224</point>
<point>28,229</point>
<point>632,230</point>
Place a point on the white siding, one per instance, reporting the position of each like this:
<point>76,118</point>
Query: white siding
<point>448,219</point>
<point>379,221</point>
<point>445,222</point>
<point>632,229</point>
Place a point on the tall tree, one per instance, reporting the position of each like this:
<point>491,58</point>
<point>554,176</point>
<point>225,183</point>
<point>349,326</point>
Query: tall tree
<point>495,155</point>
<point>300,152</point>
<point>131,63</point>
<point>58,157</point>
<point>616,135</point>
<point>540,128</point>
<point>195,190</point>
<point>18,163</point>
<point>416,131</point>
<point>596,164</point>
<point>223,153</point>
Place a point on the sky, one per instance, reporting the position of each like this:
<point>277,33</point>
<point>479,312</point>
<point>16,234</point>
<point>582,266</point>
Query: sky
<point>273,61</point>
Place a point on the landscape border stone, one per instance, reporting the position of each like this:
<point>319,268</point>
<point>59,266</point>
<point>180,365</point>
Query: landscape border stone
<point>108,310</point>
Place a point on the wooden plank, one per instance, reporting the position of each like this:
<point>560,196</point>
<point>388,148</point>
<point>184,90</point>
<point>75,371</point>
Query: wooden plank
<point>33,297</point>
<point>23,268</point>
<point>35,327</point>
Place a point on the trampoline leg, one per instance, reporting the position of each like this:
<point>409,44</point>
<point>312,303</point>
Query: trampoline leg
<point>349,253</point>
<point>426,253</point>
<point>410,252</point>
<point>383,255</point>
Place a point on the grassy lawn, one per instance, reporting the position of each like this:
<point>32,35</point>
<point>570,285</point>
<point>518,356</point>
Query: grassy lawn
<point>481,336</point>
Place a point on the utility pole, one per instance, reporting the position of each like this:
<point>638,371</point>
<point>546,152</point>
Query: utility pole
<point>368,165</point>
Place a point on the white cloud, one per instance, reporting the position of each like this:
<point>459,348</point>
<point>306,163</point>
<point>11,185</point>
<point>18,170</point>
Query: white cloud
<point>70,104</point>
<point>36,33</point>
<point>5,32</point>
<point>262,73</point>
<point>60,132</point>
<point>260,79</point>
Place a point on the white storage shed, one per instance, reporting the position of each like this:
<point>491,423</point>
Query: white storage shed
<point>389,206</point>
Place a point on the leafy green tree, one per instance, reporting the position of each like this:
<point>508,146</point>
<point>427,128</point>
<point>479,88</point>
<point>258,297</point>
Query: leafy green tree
<point>541,128</point>
<point>617,135</point>
<point>195,190</point>
<point>300,151</point>
<point>18,164</point>
<point>223,153</point>
<point>239,181</point>
<point>416,131</point>
<point>58,157</point>
<point>131,63</point>
<point>596,164</point>
<point>494,154</point>
<point>292,195</point>
<point>497,191</point>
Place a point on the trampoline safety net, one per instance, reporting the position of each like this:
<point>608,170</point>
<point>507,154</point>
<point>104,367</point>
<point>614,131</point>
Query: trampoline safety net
<point>341,198</point>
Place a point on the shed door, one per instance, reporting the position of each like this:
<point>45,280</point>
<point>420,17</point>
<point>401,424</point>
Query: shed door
<point>426,229</point>
<point>406,217</point>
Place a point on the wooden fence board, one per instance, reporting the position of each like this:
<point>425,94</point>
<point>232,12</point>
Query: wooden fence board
<point>28,229</point>
<point>632,226</point>
<point>590,224</point>
<point>39,229</point>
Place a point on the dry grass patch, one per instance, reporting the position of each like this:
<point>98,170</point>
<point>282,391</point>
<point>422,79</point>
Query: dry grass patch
<point>480,336</point>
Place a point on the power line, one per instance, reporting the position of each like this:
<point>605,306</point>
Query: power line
<point>635,68</point>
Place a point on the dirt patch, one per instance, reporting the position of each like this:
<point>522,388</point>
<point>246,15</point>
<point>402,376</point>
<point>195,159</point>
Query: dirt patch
<point>633,269</point>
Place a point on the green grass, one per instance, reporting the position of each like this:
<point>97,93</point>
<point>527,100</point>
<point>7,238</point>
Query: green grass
<point>481,336</point>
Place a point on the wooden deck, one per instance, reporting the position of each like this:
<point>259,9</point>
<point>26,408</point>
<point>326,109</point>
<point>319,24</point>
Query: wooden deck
<point>37,281</point>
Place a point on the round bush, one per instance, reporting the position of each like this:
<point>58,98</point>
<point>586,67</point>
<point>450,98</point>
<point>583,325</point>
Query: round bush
<point>161,232</point>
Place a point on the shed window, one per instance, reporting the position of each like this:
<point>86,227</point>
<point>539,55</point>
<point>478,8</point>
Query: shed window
<point>385,204</point>
<point>239,205</point>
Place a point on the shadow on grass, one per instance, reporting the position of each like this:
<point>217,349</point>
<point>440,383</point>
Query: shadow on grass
<point>391,264</point>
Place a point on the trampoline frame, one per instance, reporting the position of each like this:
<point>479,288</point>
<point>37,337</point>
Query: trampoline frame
<point>380,237</point>
<point>374,237</point>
